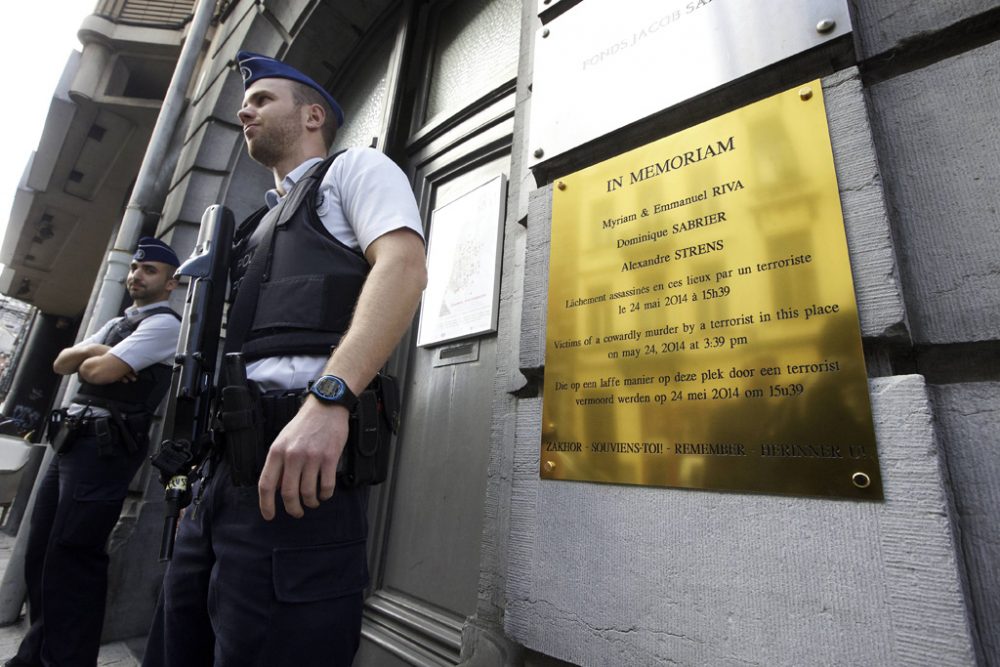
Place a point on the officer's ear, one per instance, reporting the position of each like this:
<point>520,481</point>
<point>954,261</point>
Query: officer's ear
<point>315,116</point>
<point>171,284</point>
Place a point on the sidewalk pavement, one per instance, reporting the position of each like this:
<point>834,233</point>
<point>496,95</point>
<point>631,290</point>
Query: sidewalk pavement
<point>114,654</point>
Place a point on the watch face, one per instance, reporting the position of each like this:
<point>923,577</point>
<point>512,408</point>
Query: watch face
<point>329,387</point>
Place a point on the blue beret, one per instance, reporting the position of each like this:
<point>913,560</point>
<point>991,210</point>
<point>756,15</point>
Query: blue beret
<point>155,250</point>
<point>254,66</point>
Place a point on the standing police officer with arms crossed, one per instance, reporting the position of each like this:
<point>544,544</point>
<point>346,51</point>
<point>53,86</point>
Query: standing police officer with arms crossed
<point>124,372</point>
<point>274,574</point>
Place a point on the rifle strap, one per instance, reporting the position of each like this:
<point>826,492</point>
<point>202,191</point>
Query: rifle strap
<point>245,307</point>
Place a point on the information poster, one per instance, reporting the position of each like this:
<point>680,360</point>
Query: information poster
<point>702,328</point>
<point>463,266</point>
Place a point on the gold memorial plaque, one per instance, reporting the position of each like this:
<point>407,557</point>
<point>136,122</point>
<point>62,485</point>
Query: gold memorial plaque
<point>702,328</point>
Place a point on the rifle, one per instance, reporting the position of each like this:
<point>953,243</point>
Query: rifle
<point>187,427</point>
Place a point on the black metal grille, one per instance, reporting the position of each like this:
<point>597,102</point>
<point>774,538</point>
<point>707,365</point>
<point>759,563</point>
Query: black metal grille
<point>158,13</point>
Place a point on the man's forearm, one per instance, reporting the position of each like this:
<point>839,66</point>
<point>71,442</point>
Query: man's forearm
<point>69,360</point>
<point>383,313</point>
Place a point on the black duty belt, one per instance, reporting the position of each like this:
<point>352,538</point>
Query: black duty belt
<point>130,429</point>
<point>93,425</point>
<point>251,420</point>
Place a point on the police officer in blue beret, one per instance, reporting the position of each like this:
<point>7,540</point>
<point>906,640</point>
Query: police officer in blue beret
<point>273,572</point>
<point>101,439</point>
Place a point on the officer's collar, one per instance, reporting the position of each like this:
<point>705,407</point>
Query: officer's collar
<point>135,310</point>
<point>272,197</point>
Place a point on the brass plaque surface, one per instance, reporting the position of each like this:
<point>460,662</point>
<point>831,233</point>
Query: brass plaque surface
<point>702,328</point>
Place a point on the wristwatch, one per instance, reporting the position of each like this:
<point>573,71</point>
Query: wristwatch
<point>332,389</point>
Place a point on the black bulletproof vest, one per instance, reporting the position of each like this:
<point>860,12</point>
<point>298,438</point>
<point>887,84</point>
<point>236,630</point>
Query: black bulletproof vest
<point>310,281</point>
<point>152,383</point>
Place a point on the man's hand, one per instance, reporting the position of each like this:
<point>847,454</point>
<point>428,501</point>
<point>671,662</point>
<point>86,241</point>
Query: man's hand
<point>303,459</point>
<point>105,369</point>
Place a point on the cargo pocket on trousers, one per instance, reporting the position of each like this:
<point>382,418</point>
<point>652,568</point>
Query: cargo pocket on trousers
<point>93,515</point>
<point>309,574</point>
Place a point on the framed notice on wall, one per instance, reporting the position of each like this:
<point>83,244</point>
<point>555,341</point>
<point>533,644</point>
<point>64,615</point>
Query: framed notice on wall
<point>702,330</point>
<point>463,266</point>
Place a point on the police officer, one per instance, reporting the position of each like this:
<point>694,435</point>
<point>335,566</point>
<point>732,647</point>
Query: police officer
<point>274,573</point>
<point>101,440</point>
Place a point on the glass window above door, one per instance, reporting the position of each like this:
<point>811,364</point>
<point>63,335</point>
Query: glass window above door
<point>476,51</point>
<point>363,99</point>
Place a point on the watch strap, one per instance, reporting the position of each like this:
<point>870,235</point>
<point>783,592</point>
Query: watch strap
<point>348,398</point>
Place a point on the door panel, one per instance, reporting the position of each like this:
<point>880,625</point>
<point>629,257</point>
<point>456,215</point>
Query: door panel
<point>437,500</point>
<point>430,518</point>
<point>427,519</point>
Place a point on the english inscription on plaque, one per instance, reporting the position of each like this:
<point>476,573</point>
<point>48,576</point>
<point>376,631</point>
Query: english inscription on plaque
<point>702,328</point>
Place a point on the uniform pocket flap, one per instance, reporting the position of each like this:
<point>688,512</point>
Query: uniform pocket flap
<point>290,302</point>
<point>308,574</point>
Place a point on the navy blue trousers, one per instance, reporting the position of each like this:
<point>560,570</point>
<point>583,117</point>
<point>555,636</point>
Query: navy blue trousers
<point>240,591</point>
<point>66,566</point>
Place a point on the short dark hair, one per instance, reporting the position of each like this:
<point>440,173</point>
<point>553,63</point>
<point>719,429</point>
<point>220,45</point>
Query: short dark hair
<point>303,94</point>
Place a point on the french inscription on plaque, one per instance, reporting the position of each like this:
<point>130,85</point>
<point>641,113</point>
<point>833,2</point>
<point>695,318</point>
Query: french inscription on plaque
<point>702,328</point>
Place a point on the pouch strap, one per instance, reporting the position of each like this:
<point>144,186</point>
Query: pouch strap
<point>389,390</point>
<point>367,421</point>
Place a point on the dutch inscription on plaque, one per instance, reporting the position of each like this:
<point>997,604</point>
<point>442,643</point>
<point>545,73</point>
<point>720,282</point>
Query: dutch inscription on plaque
<point>702,328</point>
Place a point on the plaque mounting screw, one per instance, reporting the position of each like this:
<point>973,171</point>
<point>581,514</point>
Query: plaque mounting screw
<point>545,33</point>
<point>861,480</point>
<point>561,185</point>
<point>805,94</point>
<point>549,466</point>
<point>825,26</point>
<point>545,2</point>
<point>539,152</point>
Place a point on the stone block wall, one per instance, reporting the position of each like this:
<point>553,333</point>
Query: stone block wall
<point>938,149</point>
<point>934,87</point>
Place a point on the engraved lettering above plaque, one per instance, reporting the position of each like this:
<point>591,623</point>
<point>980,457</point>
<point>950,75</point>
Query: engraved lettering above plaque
<point>605,64</point>
<point>702,329</point>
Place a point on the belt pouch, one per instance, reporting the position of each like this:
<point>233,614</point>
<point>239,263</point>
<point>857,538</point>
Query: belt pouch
<point>362,442</point>
<point>54,424</point>
<point>241,423</point>
<point>64,435</point>
<point>138,425</point>
<point>105,437</point>
<point>373,421</point>
<point>124,432</point>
